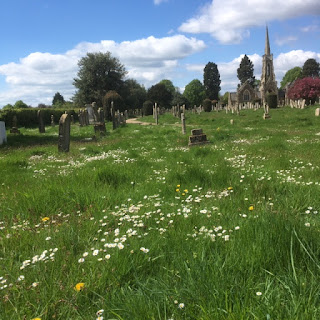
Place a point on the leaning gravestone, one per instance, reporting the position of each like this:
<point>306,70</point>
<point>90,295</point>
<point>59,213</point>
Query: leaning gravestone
<point>3,135</point>
<point>197,137</point>
<point>64,133</point>
<point>317,113</point>
<point>42,128</point>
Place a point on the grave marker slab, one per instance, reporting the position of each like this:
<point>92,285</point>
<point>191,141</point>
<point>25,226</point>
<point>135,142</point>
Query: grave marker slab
<point>3,135</point>
<point>64,133</point>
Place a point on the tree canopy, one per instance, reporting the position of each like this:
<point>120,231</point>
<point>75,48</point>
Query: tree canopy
<point>194,92</point>
<point>245,71</point>
<point>169,85</point>
<point>58,99</point>
<point>311,68</point>
<point>211,81</point>
<point>160,94</point>
<point>290,76</point>
<point>306,88</point>
<point>20,104</point>
<point>98,73</point>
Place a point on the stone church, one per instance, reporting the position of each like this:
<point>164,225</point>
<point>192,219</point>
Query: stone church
<point>246,92</point>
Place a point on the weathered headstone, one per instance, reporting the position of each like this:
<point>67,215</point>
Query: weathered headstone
<point>42,128</point>
<point>197,137</point>
<point>14,128</point>
<point>183,123</point>
<point>3,135</point>
<point>231,121</point>
<point>52,120</point>
<point>64,133</point>
<point>113,116</point>
<point>317,113</point>
<point>156,113</point>
<point>90,113</point>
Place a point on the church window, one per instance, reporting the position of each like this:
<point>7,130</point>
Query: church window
<point>246,95</point>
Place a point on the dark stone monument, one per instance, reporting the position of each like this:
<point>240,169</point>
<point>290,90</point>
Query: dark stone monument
<point>14,128</point>
<point>42,128</point>
<point>64,133</point>
<point>197,137</point>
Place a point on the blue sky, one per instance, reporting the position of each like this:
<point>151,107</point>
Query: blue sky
<point>42,40</point>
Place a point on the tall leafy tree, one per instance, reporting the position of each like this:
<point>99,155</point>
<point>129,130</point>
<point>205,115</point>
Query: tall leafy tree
<point>211,81</point>
<point>20,105</point>
<point>98,73</point>
<point>290,76</point>
<point>306,88</point>
<point>58,99</point>
<point>246,70</point>
<point>160,94</point>
<point>134,94</point>
<point>311,68</point>
<point>194,92</point>
<point>169,85</point>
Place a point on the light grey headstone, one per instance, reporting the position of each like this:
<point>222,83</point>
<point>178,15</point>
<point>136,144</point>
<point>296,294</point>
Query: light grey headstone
<point>90,113</point>
<point>3,135</point>
<point>64,133</point>
<point>317,113</point>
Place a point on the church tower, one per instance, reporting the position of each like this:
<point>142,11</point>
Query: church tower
<point>268,82</point>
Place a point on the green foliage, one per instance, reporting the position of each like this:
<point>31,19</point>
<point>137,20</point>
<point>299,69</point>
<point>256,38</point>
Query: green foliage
<point>98,73</point>
<point>246,71</point>
<point>290,76</point>
<point>117,102</point>
<point>207,105</point>
<point>58,99</point>
<point>211,81</point>
<point>225,98</point>
<point>20,105</point>
<point>160,94</point>
<point>180,99</point>
<point>169,85</point>
<point>272,100</point>
<point>28,117</point>
<point>194,92</point>
<point>133,94</point>
<point>311,68</point>
<point>147,108</point>
<point>7,107</point>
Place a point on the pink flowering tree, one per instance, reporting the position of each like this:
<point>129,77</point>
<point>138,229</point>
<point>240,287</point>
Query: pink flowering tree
<point>306,88</point>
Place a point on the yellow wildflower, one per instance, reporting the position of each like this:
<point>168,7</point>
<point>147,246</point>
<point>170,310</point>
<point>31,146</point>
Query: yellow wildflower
<point>183,194</point>
<point>251,208</point>
<point>45,219</point>
<point>177,190</point>
<point>178,185</point>
<point>36,319</point>
<point>185,190</point>
<point>230,188</point>
<point>79,286</point>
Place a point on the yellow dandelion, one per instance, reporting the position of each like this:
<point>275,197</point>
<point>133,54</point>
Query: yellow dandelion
<point>177,190</point>
<point>185,190</point>
<point>36,319</point>
<point>251,208</point>
<point>218,129</point>
<point>183,194</point>
<point>79,286</point>
<point>45,219</point>
<point>230,188</point>
<point>178,185</point>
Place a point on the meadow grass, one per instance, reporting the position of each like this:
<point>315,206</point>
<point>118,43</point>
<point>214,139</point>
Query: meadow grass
<point>141,226</point>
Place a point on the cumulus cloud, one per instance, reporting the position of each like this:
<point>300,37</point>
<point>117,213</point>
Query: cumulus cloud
<point>282,63</point>
<point>38,76</point>
<point>229,21</point>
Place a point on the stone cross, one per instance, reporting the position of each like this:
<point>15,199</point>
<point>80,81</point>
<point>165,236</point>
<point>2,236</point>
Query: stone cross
<point>64,133</point>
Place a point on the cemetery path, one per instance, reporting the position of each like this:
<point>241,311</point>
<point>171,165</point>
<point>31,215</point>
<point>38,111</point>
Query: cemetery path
<point>135,121</point>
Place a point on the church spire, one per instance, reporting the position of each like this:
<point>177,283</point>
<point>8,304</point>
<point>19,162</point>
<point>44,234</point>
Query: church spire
<point>267,46</point>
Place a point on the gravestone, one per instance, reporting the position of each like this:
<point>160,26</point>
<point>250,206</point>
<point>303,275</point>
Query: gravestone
<point>14,128</point>
<point>52,121</point>
<point>64,133</point>
<point>90,113</point>
<point>183,123</point>
<point>3,135</point>
<point>317,113</point>
<point>197,137</point>
<point>231,121</point>
<point>95,112</point>
<point>42,128</point>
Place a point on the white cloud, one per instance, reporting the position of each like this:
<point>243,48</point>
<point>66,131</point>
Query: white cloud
<point>229,20</point>
<point>285,40</point>
<point>157,2</point>
<point>38,76</point>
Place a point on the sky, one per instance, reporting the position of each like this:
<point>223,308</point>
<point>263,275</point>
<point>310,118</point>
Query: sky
<point>41,41</point>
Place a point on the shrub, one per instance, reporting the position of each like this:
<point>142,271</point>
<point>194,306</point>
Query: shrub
<point>207,105</point>
<point>147,108</point>
<point>272,100</point>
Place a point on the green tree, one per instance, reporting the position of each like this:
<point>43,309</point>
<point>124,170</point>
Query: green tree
<point>118,103</point>
<point>169,85</point>
<point>98,73</point>
<point>290,76</point>
<point>58,99</point>
<point>245,71</point>
<point>7,107</point>
<point>179,99</point>
<point>211,81</point>
<point>134,94</point>
<point>20,105</point>
<point>160,94</point>
<point>225,98</point>
<point>194,92</point>
<point>311,68</point>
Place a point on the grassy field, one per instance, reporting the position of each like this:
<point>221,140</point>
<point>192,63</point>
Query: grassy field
<point>137,225</point>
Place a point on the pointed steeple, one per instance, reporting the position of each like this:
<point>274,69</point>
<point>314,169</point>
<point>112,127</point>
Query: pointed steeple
<point>267,46</point>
